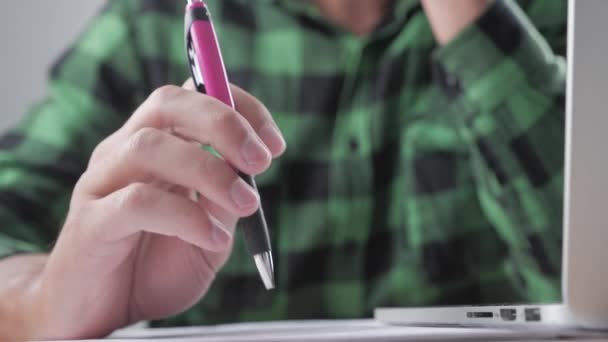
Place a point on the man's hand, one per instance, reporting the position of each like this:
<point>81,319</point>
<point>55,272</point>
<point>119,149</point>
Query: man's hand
<point>136,244</point>
<point>449,17</point>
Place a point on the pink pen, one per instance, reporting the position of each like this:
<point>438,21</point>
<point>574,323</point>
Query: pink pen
<point>209,75</point>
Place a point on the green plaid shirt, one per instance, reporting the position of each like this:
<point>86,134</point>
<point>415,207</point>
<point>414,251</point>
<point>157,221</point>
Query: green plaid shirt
<point>414,175</point>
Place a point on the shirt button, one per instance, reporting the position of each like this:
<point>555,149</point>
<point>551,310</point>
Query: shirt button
<point>452,86</point>
<point>353,144</point>
<point>451,81</point>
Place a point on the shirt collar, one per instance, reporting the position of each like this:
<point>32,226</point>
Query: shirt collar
<point>396,16</point>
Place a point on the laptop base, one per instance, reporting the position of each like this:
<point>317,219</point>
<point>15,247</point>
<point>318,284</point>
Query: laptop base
<point>528,315</point>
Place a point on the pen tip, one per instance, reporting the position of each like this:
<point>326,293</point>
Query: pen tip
<point>264,264</point>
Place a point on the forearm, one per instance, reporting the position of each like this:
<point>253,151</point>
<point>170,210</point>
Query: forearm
<point>18,280</point>
<point>448,18</point>
<point>506,86</point>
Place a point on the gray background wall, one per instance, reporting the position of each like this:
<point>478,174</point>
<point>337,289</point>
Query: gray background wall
<point>32,35</point>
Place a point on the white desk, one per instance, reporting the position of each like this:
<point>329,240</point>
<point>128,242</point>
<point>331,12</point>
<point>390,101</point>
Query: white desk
<point>341,330</point>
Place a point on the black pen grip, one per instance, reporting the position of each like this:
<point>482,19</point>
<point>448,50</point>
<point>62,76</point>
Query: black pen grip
<point>254,227</point>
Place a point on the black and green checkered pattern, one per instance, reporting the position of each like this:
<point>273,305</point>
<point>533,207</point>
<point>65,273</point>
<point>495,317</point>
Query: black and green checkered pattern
<point>414,175</point>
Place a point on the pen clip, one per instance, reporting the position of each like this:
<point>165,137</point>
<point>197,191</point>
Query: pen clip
<point>195,70</point>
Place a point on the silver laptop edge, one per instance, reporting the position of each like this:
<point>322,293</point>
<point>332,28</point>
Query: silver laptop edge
<point>584,282</point>
<point>585,239</point>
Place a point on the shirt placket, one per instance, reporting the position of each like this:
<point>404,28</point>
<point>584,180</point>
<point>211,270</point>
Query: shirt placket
<point>350,178</point>
<point>352,142</point>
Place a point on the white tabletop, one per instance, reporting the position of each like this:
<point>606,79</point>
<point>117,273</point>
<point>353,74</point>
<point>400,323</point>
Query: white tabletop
<point>341,330</point>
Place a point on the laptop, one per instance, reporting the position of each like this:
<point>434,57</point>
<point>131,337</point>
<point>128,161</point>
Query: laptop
<point>585,240</point>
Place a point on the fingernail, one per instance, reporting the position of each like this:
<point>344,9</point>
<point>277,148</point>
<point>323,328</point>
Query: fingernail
<point>219,235</point>
<point>243,195</point>
<point>273,138</point>
<point>254,152</point>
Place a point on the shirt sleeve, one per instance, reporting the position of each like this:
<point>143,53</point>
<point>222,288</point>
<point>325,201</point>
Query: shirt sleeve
<point>92,90</point>
<point>506,78</point>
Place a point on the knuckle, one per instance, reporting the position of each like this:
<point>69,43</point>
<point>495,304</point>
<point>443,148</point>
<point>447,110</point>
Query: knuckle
<point>98,152</point>
<point>190,213</point>
<point>229,121</point>
<point>215,168</point>
<point>137,195</point>
<point>77,215</point>
<point>103,148</point>
<point>203,166</point>
<point>145,139</point>
<point>156,110</point>
<point>164,94</point>
<point>81,183</point>
<point>78,209</point>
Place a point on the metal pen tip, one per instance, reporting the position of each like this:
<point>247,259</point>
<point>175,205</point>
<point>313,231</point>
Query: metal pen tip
<point>264,264</point>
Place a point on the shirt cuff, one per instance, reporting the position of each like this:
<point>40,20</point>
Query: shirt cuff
<point>490,58</point>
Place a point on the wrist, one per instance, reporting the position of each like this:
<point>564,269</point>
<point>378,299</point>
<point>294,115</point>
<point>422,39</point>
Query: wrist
<point>19,297</point>
<point>32,315</point>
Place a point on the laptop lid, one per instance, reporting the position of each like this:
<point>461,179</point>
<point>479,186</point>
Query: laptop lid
<point>585,256</point>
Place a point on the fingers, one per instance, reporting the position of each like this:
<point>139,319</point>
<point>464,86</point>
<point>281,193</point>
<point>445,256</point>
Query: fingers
<point>144,208</point>
<point>153,154</point>
<point>199,118</point>
<point>227,218</point>
<point>205,120</point>
<point>189,85</point>
<point>258,116</point>
<point>156,144</point>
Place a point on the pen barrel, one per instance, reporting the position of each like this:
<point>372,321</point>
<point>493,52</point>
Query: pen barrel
<point>210,78</point>
<point>254,227</point>
<point>212,69</point>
